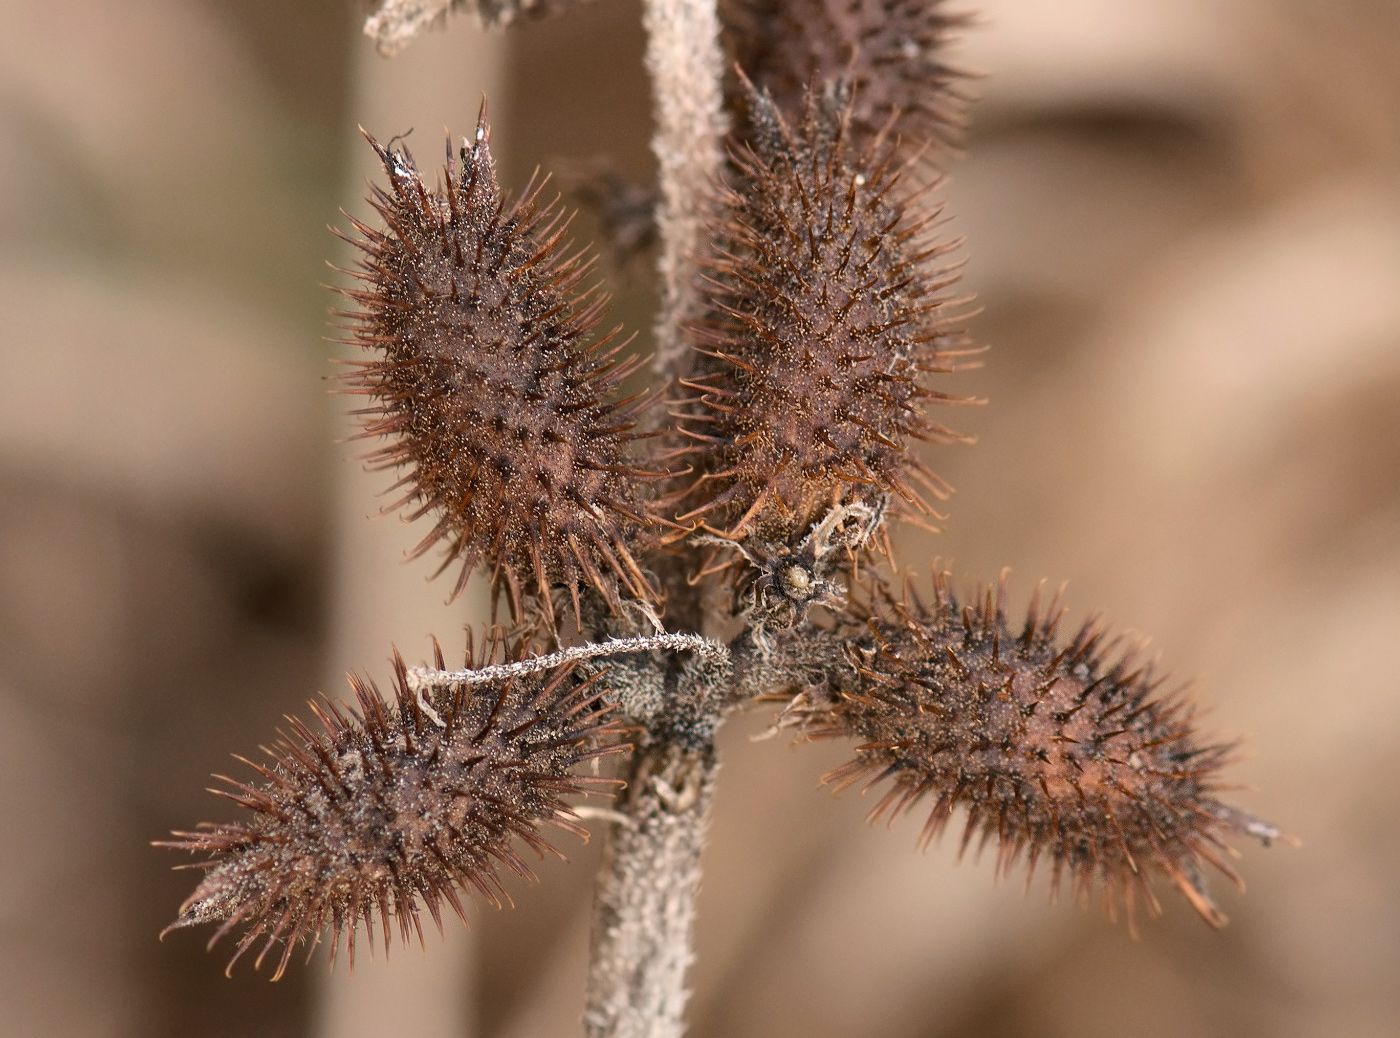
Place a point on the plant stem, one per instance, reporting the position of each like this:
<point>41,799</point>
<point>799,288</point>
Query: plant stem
<point>645,902</point>
<point>685,63</point>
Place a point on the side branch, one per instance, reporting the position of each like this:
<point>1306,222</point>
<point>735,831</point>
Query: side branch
<point>645,902</point>
<point>422,678</point>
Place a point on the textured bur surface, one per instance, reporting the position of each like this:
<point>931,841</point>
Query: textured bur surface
<point>1058,751</point>
<point>495,403</point>
<point>393,803</point>
<point>825,312</point>
<point>890,51</point>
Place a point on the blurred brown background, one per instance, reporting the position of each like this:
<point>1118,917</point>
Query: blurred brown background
<point>1184,225</point>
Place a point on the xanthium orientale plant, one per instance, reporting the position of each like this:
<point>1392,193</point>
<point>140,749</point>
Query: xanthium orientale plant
<point>668,557</point>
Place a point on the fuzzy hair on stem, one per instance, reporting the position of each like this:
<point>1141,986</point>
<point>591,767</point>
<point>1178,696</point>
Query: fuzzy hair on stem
<point>419,678</point>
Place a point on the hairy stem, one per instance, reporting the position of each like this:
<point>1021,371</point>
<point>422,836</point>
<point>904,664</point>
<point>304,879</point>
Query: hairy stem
<point>685,62</point>
<point>419,678</point>
<point>645,903</point>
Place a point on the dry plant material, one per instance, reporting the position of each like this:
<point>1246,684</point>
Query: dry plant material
<point>497,400</point>
<point>396,802</point>
<point>892,53</point>
<point>395,23</point>
<point>1062,751</point>
<point>807,326</point>
<point>827,312</point>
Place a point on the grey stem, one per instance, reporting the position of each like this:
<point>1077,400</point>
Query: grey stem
<point>645,903</point>
<point>420,678</point>
<point>685,62</point>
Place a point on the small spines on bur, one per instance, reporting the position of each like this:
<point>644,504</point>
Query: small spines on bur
<point>498,401</point>
<point>827,310</point>
<point>393,804</point>
<point>1063,751</point>
<point>892,52</point>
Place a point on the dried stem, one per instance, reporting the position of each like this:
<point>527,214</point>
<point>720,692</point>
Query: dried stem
<point>645,904</point>
<point>420,678</point>
<point>396,22</point>
<point>684,59</point>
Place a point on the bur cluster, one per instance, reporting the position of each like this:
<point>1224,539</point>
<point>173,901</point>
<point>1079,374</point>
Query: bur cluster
<point>721,539</point>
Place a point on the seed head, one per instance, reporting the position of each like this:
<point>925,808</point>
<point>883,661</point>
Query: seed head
<point>826,310</point>
<point>1061,751</point>
<point>498,408</point>
<point>893,52</point>
<point>392,803</point>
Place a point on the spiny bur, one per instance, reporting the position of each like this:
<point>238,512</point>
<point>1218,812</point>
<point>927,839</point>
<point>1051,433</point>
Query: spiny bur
<point>1060,750</point>
<point>826,312</point>
<point>395,802</point>
<point>892,52</point>
<point>499,408</point>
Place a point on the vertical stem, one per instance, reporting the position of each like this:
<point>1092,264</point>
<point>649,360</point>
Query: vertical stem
<point>684,60</point>
<point>645,903</point>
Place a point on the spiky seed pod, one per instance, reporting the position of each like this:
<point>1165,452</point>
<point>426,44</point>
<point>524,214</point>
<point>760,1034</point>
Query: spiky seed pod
<point>391,803</point>
<point>501,412</point>
<point>892,51</point>
<point>826,310</point>
<point>1056,750</point>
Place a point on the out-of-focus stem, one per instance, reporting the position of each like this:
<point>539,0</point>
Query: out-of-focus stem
<point>685,63</point>
<point>378,600</point>
<point>645,907</point>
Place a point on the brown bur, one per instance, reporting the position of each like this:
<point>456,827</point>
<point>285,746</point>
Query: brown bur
<point>396,802</point>
<point>499,405</point>
<point>1061,751</point>
<point>893,53</point>
<point>827,313</point>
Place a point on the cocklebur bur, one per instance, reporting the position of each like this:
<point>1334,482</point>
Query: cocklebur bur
<point>390,804</point>
<point>893,53</point>
<point>827,311</point>
<point>1059,749</point>
<point>497,399</point>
